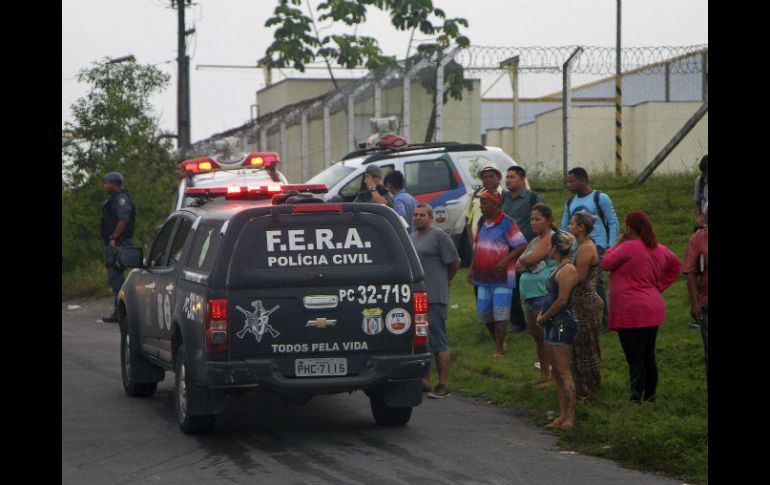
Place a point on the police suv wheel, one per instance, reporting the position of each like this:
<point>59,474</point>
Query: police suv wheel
<point>386,415</point>
<point>189,424</point>
<point>129,361</point>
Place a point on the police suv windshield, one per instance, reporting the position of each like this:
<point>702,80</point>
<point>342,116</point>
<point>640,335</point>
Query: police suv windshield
<point>332,175</point>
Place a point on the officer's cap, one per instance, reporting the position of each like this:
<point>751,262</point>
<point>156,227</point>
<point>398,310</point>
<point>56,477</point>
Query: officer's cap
<point>116,177</point>
<point>374,171</point>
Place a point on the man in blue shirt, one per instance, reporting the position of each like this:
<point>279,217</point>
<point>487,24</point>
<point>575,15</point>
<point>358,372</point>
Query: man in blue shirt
<point>605,232</point>
<point>403,203</point>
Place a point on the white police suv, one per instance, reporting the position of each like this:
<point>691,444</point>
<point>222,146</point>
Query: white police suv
<point>442,174</point>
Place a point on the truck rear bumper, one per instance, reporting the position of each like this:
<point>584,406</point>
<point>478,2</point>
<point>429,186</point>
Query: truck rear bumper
<point>278,374</point>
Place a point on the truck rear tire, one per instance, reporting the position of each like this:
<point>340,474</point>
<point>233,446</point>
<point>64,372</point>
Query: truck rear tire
<point>189,424</point>
<point>387,416</point>
<point>131,364</point>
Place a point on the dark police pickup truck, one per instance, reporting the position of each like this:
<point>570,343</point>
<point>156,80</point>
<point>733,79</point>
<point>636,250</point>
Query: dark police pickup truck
<point>287,294</point>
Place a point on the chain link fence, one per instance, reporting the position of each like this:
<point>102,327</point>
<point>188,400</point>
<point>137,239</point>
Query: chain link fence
<point>662,87</point>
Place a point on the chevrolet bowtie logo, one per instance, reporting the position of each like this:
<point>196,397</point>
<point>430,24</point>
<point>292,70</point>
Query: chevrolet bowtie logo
<point>321,323</point>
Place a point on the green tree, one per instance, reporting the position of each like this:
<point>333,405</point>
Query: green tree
<point>112,129</point>
<point>297,41</point>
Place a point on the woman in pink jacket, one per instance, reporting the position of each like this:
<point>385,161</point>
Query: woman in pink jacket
<point>641,269</point>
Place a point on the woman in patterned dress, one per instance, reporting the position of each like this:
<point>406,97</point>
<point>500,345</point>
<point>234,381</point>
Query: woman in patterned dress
<point>586,354</point>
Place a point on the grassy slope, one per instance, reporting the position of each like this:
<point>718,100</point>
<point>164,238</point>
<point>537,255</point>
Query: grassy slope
<point>668,437</point>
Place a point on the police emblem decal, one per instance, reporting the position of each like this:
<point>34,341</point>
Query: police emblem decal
<point>441,215</point>
<point>159,308</point>
<point>166,312</point>
<point>258,321</point>
<point>372,322</point>
<point>398,321</point>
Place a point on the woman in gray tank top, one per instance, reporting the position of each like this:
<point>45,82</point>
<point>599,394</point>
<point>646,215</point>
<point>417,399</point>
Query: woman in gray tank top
<point>560,326</point>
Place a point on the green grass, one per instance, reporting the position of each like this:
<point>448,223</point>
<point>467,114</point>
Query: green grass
<point>89,281</point>
<point>669,437</point>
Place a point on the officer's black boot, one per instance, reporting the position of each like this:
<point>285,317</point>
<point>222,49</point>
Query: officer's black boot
<point>112,317</point>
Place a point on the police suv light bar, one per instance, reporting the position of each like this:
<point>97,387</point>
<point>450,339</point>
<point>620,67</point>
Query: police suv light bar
<point>199,165</point>
<point>261,159</point>
<point>254,192</point>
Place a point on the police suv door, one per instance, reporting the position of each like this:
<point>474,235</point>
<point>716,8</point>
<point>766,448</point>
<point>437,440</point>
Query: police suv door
<point>157,269</point>
<point>167,280</point>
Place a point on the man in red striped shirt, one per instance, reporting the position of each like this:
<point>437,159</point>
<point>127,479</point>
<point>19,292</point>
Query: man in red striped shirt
<point>499,243</point>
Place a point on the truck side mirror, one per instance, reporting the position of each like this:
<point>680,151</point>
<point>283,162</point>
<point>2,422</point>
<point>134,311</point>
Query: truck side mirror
<point>130,257</point>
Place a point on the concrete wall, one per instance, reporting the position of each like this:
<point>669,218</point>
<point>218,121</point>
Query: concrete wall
<point>461,123</point>
<point>290,91</point>
<point>654,126</point>
<point>647,128</point>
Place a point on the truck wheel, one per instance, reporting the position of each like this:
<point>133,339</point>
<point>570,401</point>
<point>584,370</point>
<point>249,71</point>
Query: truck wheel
<point>189,424</point>
<point>130,362</point>
<point>386,415</point>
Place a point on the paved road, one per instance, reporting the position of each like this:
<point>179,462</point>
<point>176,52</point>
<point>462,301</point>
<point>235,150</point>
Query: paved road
<point>108,437</point>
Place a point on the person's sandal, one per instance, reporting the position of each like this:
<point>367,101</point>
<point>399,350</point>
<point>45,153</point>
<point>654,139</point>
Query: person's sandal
<point>543,385</point>
<point>439,392</point>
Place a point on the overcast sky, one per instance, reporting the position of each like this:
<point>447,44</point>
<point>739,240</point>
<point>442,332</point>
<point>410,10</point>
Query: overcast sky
<point>232,32</point>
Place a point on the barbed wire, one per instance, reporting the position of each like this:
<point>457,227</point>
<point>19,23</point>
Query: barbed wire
<point>593,60</point>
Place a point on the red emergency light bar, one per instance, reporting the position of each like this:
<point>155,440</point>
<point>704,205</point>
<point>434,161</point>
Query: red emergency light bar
<point>261,159</point>
<point>199,165</point>
<point>254,192</point>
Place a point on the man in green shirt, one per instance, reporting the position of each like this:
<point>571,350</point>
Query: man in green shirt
<point>518,201</point>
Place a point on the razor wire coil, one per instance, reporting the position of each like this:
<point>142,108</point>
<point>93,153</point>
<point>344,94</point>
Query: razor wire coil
<point>593,60</point>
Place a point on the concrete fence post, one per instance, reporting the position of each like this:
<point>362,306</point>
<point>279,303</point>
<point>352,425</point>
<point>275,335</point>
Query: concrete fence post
<point>512,65</point>
<point>439,130</point>
<point>351,123</point>
<point>283,142</point>
<point>327,136</point>
<point>305,135</point>
<point>405,111</point>
<point>566,104</point>
<point>377,100</point>
<point>705,70</point>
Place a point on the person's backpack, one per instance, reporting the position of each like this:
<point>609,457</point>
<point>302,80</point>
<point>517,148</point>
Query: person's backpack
<point>701,188</point>
<point>598,210</point>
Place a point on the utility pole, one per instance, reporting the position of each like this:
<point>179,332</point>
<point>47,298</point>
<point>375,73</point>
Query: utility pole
<point>618,102</point>
<point>183,79</point>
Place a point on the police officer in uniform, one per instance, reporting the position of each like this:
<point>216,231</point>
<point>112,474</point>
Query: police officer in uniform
<point>371,188</point>
<point>117,228</point>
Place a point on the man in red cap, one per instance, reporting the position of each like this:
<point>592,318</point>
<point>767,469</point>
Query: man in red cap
<point>499,242</point>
